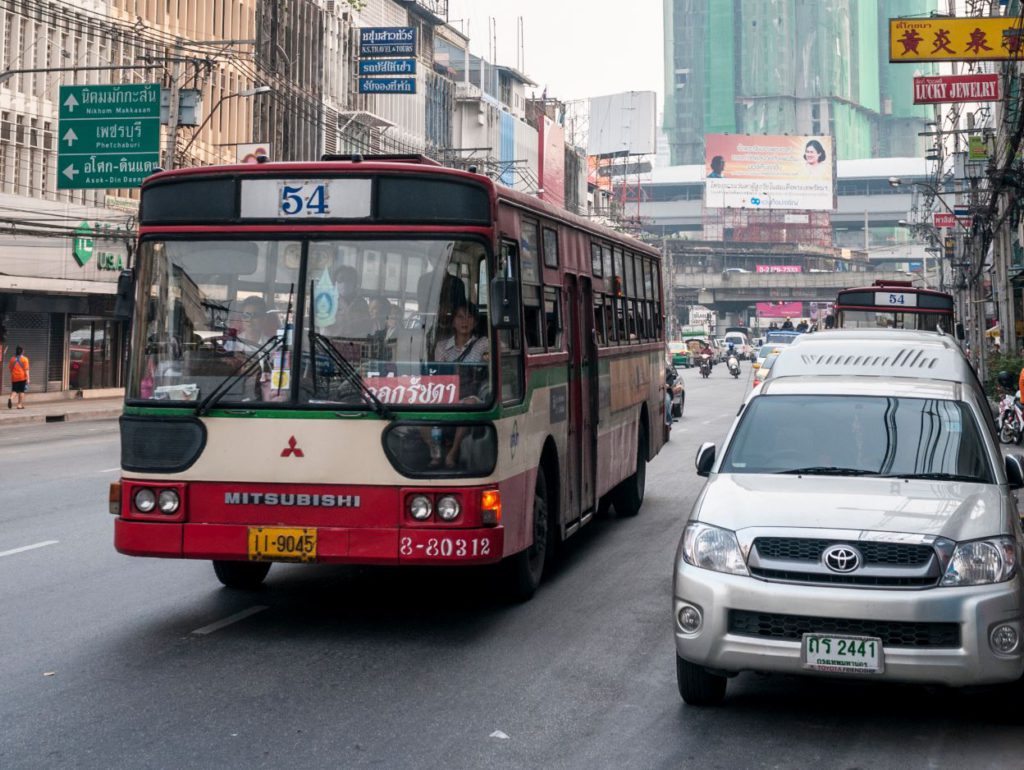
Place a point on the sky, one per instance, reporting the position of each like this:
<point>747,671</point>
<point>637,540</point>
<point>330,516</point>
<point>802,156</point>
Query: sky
<point>577,48</point>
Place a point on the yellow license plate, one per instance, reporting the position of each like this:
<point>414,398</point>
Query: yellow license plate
<point>282,544</point>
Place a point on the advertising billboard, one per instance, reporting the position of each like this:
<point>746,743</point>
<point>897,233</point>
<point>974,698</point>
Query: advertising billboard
<point>623,124</point>
<point>780,268</point>
<point>768,172</point>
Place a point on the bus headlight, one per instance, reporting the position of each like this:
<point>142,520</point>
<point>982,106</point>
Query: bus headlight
<point>168,501</point>
<point>420,508</point>
<point>145,500</point>
<point>448,508</point>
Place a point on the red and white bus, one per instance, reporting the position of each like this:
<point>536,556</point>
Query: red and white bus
<point>380,361</point>
<point>894,305</point>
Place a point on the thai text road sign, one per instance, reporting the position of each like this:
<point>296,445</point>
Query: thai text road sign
<point>994,38</point>
<point>387,85</point>
<point>387,67</point>
<point>387,41</point>
<point>108,136</point>
<point>956,88</point>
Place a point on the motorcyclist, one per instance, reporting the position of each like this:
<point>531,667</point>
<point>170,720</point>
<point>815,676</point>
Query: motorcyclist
<point>707,351</point>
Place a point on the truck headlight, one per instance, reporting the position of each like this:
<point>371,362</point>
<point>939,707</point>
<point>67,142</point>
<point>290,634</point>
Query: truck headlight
<point>980,562</point>
<point>713,548</point>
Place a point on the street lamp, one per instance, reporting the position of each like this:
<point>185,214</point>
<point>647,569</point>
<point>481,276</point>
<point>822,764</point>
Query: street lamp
<point>216,106</point>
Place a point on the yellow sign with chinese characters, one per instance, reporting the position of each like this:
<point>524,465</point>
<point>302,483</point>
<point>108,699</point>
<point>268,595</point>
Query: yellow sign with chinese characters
<point>999,38</point>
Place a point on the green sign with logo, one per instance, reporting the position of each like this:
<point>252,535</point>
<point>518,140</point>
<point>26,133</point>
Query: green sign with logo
<point>108,136</point>
<point>83,247</point>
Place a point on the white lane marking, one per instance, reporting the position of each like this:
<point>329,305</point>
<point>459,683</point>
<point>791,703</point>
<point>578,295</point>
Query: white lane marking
<point>109,470</point>
<point>28,547</point>
<point>708,422</point>
<point>229,620</point>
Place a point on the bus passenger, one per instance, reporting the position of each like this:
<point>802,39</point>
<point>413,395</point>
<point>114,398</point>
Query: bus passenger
<point>353,316</point>
<point>464,346</point>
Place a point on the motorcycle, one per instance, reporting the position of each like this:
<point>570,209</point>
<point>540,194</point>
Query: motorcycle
<point>734,366</point>
<point>1011,419</point>
<point>705,365</point>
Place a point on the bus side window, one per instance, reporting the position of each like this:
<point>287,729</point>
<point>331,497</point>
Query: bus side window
<point>510,341</point>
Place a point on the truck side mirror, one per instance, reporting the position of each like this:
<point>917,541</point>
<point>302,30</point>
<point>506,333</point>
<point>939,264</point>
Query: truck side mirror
<point>960,331</point>
<point>504,304</point>
<point>1014,472</point>
<point>705,459</point>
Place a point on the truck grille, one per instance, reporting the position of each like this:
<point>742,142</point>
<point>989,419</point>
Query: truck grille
<point>882,564</point>
<point>875,553</point>
<point>892,633</point>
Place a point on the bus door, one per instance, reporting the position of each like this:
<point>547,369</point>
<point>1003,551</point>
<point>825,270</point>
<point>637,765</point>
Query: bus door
<point>581,426</point>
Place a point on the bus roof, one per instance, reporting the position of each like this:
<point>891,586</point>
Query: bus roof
<point>407,165</point>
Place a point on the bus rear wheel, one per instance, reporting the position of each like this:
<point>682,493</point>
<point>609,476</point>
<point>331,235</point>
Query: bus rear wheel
<point>524,570</point>
<point>242,575</point>
<point>628,496</point>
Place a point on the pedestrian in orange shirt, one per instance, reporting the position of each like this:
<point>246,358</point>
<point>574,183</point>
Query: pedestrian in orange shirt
<point>19,378</point>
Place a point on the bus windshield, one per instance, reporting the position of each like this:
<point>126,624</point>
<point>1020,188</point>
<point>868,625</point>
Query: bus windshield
<point>400,319</point>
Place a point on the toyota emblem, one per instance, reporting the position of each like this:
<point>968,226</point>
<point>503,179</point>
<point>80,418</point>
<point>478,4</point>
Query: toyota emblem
<point>841,558</point>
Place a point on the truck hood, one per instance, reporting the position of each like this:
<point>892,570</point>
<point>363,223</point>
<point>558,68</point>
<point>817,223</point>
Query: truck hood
<point>951,509</point>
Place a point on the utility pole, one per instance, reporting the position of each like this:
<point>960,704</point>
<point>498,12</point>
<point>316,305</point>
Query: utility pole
<point>172,108</point>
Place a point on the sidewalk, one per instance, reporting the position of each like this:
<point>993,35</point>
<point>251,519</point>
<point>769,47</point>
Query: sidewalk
<point>63,410</point>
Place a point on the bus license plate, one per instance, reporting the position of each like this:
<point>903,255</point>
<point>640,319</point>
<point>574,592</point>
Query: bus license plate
<point>282,544</point>
<point>842,654</point>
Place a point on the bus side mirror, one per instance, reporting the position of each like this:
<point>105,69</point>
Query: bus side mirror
<point>960,331</point>
<point>125,300</point>
<point>504,304</point>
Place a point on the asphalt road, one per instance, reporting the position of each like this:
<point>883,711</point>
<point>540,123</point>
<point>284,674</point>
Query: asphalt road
<point>109,661</point>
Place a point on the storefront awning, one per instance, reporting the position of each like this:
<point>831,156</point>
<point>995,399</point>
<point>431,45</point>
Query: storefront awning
<point>55,285</point>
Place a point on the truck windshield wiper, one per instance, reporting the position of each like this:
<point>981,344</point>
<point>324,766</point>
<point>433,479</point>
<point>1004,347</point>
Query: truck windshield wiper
<point>250,364</point>
<point>828,470</point>
<point>349,372</point>
<point>937,477</point>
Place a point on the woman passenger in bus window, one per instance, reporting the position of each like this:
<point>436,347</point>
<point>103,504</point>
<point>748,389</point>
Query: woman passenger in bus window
<point>464,347</point>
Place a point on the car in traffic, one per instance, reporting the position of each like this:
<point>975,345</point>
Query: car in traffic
<point>762,372</point>
<point>859,522</point>
<point>679,353</point>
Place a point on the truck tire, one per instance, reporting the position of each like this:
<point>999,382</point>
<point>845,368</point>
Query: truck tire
<point>524,570</point>
<point>697,686</point>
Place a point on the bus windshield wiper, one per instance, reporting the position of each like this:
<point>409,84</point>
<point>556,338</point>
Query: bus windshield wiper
<point>349,372</point>
<point>250,364</point>
<point>828,470</point>
<point>937,477</point>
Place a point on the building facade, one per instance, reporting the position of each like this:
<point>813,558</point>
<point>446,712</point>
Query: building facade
<point>789,67</point>
<point>279,76</point>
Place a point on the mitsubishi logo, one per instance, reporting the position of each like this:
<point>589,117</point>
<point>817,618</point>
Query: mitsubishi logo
<point>841,558</point>
<point>292,449</point>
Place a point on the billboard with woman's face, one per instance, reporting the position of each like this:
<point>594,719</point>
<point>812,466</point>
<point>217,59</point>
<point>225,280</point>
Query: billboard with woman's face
<point>769,172</point>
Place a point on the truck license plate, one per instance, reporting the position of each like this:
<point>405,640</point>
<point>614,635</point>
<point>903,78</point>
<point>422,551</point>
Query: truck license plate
<point>843,654</point>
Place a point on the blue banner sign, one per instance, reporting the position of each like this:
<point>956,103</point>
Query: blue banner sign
<point>387,41</point>
<point>387,85</point>
<point>387,67</point>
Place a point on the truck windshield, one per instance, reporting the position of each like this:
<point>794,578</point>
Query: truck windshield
<point>392,321</point>
<point>863,435</point>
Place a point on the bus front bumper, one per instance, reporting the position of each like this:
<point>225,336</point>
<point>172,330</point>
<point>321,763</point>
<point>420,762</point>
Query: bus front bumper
<point>334,545</point>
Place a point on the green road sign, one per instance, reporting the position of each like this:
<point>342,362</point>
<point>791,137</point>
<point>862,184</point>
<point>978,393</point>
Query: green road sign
<point>137,100</point>
<point>108,136</point>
